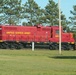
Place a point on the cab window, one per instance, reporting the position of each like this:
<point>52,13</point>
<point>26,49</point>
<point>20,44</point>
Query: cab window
<point>57,31</point>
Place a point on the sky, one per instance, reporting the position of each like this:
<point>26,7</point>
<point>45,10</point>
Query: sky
<point>65,5</point>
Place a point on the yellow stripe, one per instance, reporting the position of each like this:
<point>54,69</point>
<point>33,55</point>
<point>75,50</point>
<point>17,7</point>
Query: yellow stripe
<point>17,41</point>
<point>1,40</point>
<point>45,42</point>
<point>28,42</point>
<point>72,42</point>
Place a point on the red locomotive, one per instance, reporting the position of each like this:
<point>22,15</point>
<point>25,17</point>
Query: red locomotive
<point>20,36</point>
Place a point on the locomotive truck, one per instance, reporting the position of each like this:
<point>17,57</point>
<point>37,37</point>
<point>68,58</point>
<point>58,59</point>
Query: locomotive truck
<point>19,36</point>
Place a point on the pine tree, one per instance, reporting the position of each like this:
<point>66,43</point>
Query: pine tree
<point>73,21</point>
<point>11,11</point>
<point>73,18</point>
<point>1,12</point>
<point>32,12</point>
<point>52,14</point>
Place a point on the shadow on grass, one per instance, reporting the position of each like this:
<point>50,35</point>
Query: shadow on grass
<point>64,57</point>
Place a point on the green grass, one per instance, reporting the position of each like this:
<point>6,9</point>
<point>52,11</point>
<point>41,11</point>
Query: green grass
<point>38,62</point>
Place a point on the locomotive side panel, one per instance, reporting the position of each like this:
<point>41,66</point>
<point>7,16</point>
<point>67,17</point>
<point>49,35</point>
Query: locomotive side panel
<point>19,36</point>
<point>8,33</point>
<point>0,33</point>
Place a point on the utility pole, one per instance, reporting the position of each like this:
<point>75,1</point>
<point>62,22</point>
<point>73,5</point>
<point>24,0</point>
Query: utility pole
<point>59,27</point>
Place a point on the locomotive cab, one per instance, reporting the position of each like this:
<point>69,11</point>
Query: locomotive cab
<point>67,39</point>
<point>54,33</point>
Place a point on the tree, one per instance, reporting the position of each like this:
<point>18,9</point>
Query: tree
<point>73,18</point>
<point>72,21</point>
<point>11,11</point>
<point>1,5</point>
<point>32,12</point>
<point>52,14</point>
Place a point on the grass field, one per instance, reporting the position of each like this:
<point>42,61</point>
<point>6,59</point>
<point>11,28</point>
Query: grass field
<point>38,62</point>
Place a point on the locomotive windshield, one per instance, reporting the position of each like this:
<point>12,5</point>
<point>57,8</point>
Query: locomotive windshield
<point>57,31</point>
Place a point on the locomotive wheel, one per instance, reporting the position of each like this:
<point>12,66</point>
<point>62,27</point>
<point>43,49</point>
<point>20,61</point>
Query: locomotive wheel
<point>3,45</point>
<point>71,47</point>
<point>12,46</point>
<point>53,46</point>
<point>21,46</point>
<point>56,46</point>
<point>18,46</point>
<point>50,47</point>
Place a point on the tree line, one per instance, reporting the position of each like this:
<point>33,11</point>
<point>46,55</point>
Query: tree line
<point>30,13</point>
